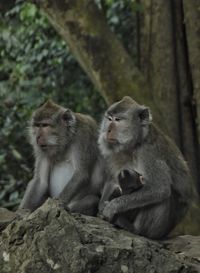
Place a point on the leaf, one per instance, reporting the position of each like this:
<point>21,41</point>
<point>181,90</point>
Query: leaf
<point>16,154</point>
<point>14,196</point>
<point>2,159</point>
<point>28,12</point>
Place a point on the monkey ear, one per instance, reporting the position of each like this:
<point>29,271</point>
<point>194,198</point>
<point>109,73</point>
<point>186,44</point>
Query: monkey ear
<point>67,116</point>
<point>145,115</point>
<point>48,102</point>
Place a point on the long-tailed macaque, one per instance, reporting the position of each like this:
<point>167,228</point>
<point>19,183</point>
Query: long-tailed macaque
<point>66,159</point>
<point>129,140</point>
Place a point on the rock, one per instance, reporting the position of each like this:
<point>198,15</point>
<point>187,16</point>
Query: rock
<point>52,240</point>
<point>6,217</point>
<point>187,247</point>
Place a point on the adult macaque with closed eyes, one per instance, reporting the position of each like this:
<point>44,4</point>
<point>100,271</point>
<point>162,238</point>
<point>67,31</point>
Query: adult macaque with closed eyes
<point>129,140</point>
<point>66,159</point>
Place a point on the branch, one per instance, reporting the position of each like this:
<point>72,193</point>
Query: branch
<point>101,55</point>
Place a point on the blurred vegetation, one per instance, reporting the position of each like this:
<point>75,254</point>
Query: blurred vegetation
<point>35,65</point>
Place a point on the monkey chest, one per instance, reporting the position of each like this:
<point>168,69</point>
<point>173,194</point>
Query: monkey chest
<point>125,163</point>
<point>60,176</point>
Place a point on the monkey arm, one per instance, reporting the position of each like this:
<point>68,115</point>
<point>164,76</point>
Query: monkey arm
<point>84,156</point>
<point>77,183</point>
<point>34,195</point>
<point>156,189</point>
<point>87,205</point>
<point>37,189</point>
<point>111,190</point>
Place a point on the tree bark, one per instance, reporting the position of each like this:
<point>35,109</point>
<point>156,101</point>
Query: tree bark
<point>164,59</point>
<point>192,23</point>
<point>101,55</point>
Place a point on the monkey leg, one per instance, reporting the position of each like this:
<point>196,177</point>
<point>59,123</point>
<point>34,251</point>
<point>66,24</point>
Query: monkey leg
<point>87,205</point>
<point>125,220</point>
<point>155,221</point>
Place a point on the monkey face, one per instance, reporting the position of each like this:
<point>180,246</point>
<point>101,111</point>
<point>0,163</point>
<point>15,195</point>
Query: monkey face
<point>44,134</point>
<point>123,126</point>
<point>51,129</point>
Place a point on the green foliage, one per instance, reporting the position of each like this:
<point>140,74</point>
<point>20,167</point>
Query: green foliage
<point>35,65</point>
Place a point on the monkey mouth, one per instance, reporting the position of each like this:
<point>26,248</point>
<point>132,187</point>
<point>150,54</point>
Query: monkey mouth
<point>112,140</point>
<point>44,147</point>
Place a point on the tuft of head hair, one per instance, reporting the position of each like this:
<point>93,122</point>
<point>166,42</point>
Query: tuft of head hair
<point>122,105</point>
<point>46,110</point>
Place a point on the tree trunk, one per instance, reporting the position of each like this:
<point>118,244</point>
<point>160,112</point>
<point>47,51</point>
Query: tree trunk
<point>101,55</point>
<point>165,63</point>
<point>192,23</point>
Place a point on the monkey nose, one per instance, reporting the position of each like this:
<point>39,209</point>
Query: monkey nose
<point>41,141</point>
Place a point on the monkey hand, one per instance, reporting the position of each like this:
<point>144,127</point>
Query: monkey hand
<point>109,212</point>
<point>101,207</point>
<point>60,202</point>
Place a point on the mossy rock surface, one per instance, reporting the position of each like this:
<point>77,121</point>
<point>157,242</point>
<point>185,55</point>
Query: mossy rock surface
<point>52,240</point>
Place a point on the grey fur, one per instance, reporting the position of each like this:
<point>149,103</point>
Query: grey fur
<point>77,141</point>
<point>154,209</point>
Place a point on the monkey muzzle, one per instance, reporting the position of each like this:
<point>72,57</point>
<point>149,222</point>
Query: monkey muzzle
<point>41,143</point>
<point>110,139</point>
<point>111,134</point>
<point>44,147</point>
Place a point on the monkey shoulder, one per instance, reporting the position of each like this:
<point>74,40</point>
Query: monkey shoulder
<point>164,146</point>
<point>158,146</point>
<point>182,181</point>
<point>86,125</point>
<point>85,138</point>
<point>86,120</point>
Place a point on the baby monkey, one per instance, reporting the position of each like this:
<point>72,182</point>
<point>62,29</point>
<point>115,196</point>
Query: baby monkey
<point>130,181</point>
<point>127,182</point>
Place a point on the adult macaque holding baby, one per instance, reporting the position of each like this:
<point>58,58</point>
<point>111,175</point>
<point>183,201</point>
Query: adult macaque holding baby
<point>129,141</point>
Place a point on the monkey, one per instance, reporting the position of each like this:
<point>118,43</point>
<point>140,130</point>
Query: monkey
<point>66,159</point>
<point>128,139</point>
<point>127,182</point>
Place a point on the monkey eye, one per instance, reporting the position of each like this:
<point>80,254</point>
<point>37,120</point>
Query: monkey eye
<point>45,124</point>
<point>38,124</point>
<point>35,124</point>
<point>108,117</point>
<point>117,119</point>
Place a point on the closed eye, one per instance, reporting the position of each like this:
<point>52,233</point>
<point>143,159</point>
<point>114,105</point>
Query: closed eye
<point>36,124</point>
<point>108,117</point>
<point>120,118</point>
<point>45,125</point>
<point>41,124</point>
